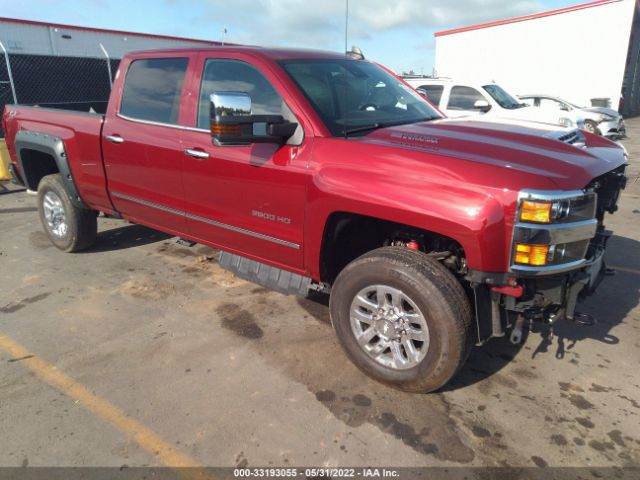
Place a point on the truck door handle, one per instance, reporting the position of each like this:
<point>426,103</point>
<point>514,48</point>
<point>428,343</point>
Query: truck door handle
<point>196,153</point>
<point>115,138</point>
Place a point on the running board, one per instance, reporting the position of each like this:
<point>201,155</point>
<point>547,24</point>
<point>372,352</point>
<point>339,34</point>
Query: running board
<point>269,277</point>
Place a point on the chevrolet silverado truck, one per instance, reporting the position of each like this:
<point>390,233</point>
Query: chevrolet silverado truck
<point>324,172</point>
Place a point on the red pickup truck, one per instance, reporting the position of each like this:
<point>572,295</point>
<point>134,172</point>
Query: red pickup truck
<point>314,171</point>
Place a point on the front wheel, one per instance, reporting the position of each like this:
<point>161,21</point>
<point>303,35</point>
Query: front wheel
<point>591,127</point>
<point>70,228</point>
<point>402,318</point>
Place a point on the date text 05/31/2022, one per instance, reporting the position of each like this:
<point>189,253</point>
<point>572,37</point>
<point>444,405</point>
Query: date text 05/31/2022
<point>316,473</point>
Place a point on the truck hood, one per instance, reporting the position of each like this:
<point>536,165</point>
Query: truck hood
<point>533,114</point>
<point>568,158</point>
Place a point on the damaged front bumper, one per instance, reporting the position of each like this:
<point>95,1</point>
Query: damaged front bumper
<point>614,128</point>
<point>573,267</point>
<point>535,298</point>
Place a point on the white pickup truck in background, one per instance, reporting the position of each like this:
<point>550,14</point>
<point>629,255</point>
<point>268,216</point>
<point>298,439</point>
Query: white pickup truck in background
<point>487,101</point>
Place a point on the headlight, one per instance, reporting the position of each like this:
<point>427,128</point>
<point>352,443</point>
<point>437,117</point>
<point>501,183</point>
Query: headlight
<point>567,122</point>
<point>603,117</point>
<point>537,211</point>
<point>552,229</point>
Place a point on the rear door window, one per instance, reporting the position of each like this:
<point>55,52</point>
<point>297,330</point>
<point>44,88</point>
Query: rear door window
<point>434,93</point>
<point>463,98</point>
<point>550,104</point>
<point>152,89</point>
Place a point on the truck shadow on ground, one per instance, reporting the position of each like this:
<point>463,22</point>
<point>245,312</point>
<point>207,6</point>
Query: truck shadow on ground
<point>610,305</point>
<point>127,236</point>
<point>615,298</point>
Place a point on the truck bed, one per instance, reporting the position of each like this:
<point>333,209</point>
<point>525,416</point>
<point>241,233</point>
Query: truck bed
<point>81,134</point>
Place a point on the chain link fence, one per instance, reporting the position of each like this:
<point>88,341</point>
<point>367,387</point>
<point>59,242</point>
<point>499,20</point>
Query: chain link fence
<point>6,95</point>
<point>72,83</point>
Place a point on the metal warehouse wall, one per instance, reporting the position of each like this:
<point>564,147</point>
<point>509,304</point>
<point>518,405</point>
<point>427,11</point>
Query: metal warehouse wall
<point>40,39</point>
<point>66,67</point>
<point>577,55</point>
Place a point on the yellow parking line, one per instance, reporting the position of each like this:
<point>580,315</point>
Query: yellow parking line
<point>624,269</point>
<point>143,436</point>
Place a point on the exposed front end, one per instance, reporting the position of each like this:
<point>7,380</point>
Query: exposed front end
<point>610,124</point>
<point>557,256</point>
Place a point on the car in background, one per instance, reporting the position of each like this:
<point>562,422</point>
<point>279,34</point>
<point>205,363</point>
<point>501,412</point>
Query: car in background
<point>599,120</point>
<point>483,100</point>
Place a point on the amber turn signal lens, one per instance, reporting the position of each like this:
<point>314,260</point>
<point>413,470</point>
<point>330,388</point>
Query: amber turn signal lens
<point>539,212</point>
<point>535,255</point>
<point>218,129</point>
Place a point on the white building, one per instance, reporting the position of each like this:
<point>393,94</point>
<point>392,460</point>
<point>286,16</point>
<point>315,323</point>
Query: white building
<point>578,53</point>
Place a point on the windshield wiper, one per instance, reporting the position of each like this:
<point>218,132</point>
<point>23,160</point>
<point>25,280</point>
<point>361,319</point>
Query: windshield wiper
<point>375,126</point>
<point>362,128</point>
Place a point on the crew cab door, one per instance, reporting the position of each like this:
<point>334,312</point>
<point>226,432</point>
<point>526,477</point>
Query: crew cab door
<point>141,141</point>
<point>250,198</point>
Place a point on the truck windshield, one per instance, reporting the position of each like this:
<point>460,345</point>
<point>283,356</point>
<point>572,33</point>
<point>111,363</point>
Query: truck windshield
<point>355,96</point>
<point>504,98</point>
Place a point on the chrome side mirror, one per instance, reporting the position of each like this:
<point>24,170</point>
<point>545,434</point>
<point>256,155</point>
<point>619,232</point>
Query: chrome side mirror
<point>232,123</point>
<point>230,104</point>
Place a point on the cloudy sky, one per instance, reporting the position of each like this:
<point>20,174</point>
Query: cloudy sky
<point>397,33</point>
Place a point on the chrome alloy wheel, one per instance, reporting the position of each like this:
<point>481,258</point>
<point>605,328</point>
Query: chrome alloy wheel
<point>54,214</point>
<point>389,327</point>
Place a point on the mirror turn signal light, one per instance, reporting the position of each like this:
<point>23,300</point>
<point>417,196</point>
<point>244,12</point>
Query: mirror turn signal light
<point>531,211</point>
<point>225,129</point>
<point>535,255</point>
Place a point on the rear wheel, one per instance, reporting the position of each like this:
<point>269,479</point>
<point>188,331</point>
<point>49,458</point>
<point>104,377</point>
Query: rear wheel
<point>70,228</point>
<point>402,318</point>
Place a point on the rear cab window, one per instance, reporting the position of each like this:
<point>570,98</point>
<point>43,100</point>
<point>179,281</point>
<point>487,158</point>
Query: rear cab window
<point>153,89</point>
<point>551,104</point>
<point>434,93</point>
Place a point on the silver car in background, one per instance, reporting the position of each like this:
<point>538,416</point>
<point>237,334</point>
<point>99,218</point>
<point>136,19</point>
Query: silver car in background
<point>599,120</point>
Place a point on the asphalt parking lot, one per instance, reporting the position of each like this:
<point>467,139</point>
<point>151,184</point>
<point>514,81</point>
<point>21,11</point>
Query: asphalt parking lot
<point>141,352</point>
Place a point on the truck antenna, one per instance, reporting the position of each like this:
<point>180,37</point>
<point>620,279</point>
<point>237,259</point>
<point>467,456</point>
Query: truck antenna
<point>346,54</point>
<point>346,25</point>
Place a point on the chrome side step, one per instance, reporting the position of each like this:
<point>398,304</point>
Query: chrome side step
<point>269,277</point>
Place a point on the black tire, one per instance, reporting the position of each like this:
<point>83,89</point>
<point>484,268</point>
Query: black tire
<point>439,297</point>
<point>591,127</point>
<point>81,224</point>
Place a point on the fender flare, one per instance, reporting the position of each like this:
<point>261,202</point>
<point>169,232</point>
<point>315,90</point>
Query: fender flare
<point>51,145</point>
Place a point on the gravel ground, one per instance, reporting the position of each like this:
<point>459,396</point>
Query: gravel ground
<point>140,340</point>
